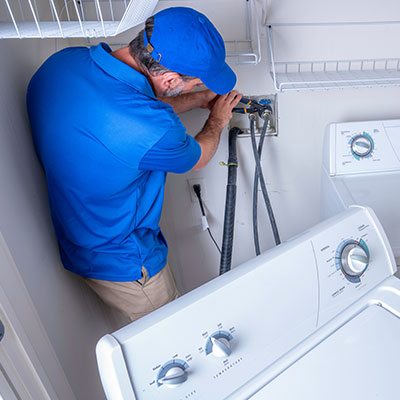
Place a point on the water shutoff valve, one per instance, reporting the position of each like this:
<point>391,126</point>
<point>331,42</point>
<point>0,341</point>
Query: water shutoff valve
<point>259,108</point>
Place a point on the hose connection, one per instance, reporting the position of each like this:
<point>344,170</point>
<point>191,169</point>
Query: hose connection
<point>255,106</point>
<point>258,109</point>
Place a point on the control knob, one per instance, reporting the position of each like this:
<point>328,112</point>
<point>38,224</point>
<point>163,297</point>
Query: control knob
<point>354,259</point>
<point>218,344</point>
<point>173,373</point>
<point>362,145</point>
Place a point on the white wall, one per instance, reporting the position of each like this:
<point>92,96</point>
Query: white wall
<point>70,313</point>
<point>291,161</point>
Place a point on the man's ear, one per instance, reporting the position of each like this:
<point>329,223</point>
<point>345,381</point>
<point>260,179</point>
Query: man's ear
<point>170,80</point>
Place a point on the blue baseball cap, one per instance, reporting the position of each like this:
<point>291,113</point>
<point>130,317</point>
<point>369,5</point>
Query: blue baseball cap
<point>185,41</point>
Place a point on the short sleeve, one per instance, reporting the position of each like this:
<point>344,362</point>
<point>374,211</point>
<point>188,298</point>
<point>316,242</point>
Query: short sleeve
<point>176,152</point>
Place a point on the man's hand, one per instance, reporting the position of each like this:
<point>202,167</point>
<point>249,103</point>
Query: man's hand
<point>208,138</point>
<point>191,101</point>
<point>208,99</point>
<point>221,112</point>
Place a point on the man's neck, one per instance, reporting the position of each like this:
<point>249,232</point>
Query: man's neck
<point>123,54</point>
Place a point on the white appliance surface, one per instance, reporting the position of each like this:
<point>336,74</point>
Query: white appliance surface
<point>358,361</point>
<point>372,179</point>
<point>293,303</point>
<point>381,192</point>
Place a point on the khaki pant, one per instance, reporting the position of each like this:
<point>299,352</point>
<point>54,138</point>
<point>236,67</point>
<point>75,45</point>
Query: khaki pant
<point>137,298</point>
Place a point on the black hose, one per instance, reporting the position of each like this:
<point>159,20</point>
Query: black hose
<point>230,204</point>
<point>260,175</point>
<point>255,189</point>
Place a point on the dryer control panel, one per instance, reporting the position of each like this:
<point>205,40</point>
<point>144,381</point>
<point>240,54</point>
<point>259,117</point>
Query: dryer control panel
<point>360,147</point>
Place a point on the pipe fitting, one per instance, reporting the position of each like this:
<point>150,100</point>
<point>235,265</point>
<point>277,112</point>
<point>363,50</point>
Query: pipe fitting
<point>266,114</point>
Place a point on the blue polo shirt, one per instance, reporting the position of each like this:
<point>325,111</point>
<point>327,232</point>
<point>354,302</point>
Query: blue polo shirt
<point>106,143</point>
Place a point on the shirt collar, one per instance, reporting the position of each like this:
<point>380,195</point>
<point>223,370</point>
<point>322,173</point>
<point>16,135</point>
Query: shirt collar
<point>121,71</point>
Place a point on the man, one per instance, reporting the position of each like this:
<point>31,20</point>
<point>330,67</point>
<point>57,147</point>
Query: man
<point>106,132</point>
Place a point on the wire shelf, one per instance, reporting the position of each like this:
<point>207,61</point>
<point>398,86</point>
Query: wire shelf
<point>71,18</point>
<point>338,73</point>
<point>247,51</point>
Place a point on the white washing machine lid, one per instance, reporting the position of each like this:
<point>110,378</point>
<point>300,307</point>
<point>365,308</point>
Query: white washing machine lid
<point>358,360</point>
<point>381,192</point>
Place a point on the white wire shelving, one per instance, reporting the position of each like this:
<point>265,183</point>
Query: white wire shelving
<point>107,18</point>
<point>337,73</point>
<point>248,50</point>
<point>71,18</point>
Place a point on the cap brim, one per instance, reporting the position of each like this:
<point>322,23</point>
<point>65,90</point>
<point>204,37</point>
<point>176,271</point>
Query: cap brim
<point>221,82</point>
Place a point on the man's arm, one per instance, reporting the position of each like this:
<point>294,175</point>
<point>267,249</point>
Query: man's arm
<point>220,115</point>
<point>190,101</point>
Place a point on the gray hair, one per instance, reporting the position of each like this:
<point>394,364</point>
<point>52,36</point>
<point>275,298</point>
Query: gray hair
<point>146,62</point>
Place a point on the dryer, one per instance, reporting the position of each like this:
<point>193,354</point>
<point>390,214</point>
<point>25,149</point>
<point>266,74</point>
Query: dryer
<point>317,317</point>
<point>361,165</point>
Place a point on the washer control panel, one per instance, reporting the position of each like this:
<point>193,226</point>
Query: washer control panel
<point>350,263</point>
<point>358,147</point>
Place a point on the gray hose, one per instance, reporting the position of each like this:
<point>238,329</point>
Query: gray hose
<point>230,204</point>
<point>260,176</point>
<point>255,189</point>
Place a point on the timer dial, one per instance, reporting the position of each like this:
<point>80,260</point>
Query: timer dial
<point>362,145</point>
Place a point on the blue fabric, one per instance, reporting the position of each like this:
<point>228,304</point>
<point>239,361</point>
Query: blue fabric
<point>106,144</point>
<point>167,156</point>
<point>185,41</point>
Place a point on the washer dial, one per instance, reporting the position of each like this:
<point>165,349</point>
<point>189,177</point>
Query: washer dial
<point>218,344</point>
<point>352,258</point>
<point>173,373</point>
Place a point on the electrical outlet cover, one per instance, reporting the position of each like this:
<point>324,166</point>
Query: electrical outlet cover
<point>202,184</point>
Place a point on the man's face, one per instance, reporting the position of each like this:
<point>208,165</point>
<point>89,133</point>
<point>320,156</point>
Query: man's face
<point>183,87</point>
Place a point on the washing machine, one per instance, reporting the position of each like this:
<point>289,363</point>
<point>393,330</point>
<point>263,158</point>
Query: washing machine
<point>317,317</point>
<point>361,165</point>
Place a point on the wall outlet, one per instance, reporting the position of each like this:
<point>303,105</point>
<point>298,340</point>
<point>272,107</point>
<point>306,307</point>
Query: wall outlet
<point>242,120</point>
<point>201,182</point>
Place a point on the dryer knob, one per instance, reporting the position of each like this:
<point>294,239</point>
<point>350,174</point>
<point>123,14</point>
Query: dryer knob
<point>361,145</point>
<point>354,260</point>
